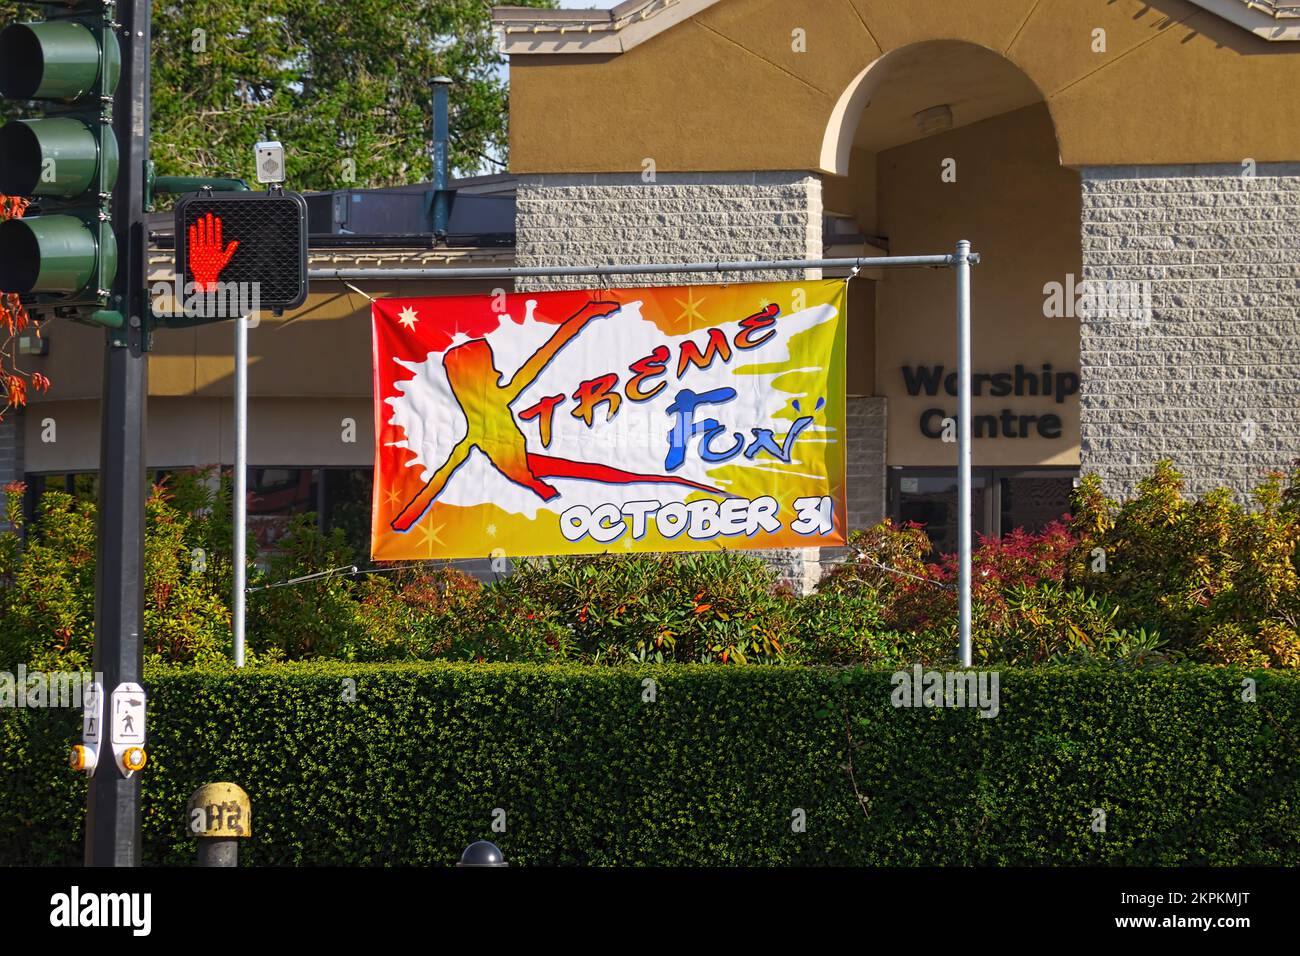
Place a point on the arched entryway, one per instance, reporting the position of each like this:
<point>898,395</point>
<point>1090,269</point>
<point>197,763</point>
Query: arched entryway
<point>931,143</point>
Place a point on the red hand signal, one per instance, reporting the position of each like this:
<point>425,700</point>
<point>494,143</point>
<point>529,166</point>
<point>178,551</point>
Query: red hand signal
<point>206,256</point>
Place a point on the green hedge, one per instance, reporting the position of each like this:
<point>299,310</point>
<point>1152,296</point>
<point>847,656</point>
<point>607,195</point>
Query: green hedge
<point>709,773</point>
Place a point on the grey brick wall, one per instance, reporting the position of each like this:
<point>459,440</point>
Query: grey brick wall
<point>1210,375</point>
<point>600,218</point>
<point>11,452</point>
<point>569,219</point>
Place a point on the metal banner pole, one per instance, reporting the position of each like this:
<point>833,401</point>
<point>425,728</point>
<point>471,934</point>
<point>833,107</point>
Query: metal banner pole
<point>645,268</point>
<point>962,265</point>
<point>961,262</point>
<point>240,492</point>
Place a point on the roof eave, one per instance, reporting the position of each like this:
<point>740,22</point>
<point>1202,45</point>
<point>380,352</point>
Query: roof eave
<point>1279,25</point>
<point>527,31</point>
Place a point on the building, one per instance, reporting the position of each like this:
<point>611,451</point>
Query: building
<point>1129,171</point>
<point>1148,149</point>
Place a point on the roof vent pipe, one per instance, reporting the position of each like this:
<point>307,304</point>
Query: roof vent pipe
<point>440,208</point>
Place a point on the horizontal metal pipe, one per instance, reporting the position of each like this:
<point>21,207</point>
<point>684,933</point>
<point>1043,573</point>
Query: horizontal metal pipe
<point>511,272</point>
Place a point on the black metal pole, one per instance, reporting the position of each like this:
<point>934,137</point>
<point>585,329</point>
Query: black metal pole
<point>218,852</point>
<point>113,804</point>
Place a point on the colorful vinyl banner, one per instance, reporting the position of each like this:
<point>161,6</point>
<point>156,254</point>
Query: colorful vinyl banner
<point>614,420</point>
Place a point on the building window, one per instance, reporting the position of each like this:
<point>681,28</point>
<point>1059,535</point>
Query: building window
<point>1002,499</point>
<point>275,495</point>
<point>339,498</point>
<point>345,504</point>
<point>81,485</point>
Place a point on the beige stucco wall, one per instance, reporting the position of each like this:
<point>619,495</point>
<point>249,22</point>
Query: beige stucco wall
<point>321,349</point>
<point>189,432</point>
<point>1021,212</point>
<point>310,372</point>
<point>855,193</point>
<point>725,90</point>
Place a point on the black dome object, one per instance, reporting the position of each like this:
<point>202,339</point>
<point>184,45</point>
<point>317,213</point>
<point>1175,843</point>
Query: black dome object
<point>482,853</point>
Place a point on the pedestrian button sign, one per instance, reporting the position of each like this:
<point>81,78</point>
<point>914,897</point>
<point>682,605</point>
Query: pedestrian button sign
<point>92,715</point>
<point>127,718</point>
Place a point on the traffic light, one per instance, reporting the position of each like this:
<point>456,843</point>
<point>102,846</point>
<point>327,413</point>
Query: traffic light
<point>64,257</point>
<point>237,253</point>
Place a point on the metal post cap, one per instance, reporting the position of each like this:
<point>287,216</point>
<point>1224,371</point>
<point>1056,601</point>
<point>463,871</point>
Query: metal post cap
<point>220,811</point>
<point>482,853</point>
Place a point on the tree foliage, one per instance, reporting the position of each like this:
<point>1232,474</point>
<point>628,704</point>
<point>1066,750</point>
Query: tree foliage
<point>344,84</point>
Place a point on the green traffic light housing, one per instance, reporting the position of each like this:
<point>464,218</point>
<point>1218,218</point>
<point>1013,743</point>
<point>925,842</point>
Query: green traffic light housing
<point>67,160</point>
<point>56,60</point>
<point>52,157</point>
<point>55,255</point>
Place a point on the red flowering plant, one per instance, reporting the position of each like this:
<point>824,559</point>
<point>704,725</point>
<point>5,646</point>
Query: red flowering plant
<point>496,623</point>
<point>888,564</point>
<point>1011,565</point>
<point>1021,610</point>
<point>723,607</point>
<point>14,320</point>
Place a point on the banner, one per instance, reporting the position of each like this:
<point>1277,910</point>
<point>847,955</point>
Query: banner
<point>654,419</point>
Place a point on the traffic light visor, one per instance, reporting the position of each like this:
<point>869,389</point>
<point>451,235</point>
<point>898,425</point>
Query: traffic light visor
<point>55,60</point>
<point>52,157</point>
<point>50,254</point>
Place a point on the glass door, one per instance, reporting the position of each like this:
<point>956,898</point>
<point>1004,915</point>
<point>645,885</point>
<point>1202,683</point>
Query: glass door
<point>929,497</point>
<point>1002,499</point>
<point>1032,499</point>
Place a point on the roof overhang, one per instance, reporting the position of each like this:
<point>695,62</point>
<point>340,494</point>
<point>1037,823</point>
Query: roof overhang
<point>528,30</point>
<point>1267,19</point>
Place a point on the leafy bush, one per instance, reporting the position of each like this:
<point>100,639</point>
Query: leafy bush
<point>410,613</point>
<point>1217,580</point>
<point>694,608</point>
<point>47,586</point>
<point>1154,579</point>
<point>301,619</point>
<point>47,589</point>
<point>408,767</point>
<point>840,627</point>
<point>185,613</point>
<point>1019,612</point>
<point>1050,622</point>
